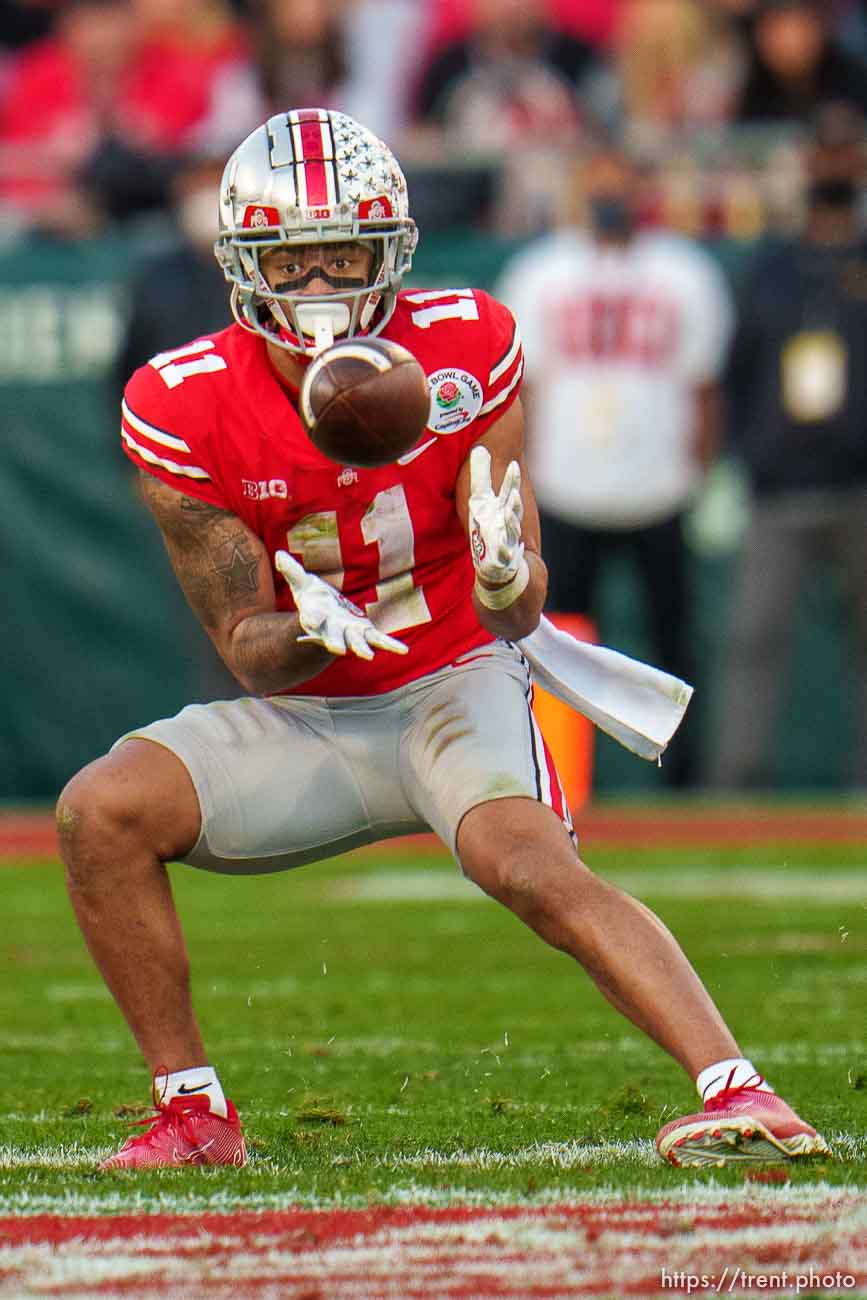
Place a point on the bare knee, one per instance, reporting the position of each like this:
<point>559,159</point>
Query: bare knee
<point>528,863</point>
<point>93,814</point>
<point>523,879</point>
<point>129,802</point>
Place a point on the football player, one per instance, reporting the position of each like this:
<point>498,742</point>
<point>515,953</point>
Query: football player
<point>372,616</point>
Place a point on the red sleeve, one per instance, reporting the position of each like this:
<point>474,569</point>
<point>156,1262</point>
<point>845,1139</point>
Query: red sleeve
<point>503,363</point>
<point>163,433</point>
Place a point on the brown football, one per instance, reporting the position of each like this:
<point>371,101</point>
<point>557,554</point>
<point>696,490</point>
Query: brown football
<point>364,402</point>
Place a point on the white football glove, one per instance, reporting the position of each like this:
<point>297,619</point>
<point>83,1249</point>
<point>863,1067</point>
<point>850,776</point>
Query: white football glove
<point>328,618</point>
<point>495,519</point>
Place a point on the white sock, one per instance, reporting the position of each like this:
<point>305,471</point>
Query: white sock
<point>733,1073</point>
<point>198,1081</point>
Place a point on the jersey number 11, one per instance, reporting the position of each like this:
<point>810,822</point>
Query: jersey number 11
<point>399,603</point>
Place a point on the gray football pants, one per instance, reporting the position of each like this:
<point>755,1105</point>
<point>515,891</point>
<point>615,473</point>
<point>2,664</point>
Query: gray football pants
<point>788,537</point>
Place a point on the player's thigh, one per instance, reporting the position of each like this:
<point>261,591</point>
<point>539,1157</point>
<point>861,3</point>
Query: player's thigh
<point>472,739</point>
<point>273,787</point>
<point>138,795</point>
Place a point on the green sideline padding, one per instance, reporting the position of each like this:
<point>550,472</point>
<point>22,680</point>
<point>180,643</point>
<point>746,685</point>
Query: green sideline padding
<point>96,635</point>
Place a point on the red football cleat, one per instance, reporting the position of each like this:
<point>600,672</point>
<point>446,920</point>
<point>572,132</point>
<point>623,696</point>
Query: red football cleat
<point>739,1124</point>
<point>183,1132</point>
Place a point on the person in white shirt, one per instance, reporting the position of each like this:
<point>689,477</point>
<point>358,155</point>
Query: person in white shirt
<point>625,335</point>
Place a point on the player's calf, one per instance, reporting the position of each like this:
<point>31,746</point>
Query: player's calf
<point>120,819</point>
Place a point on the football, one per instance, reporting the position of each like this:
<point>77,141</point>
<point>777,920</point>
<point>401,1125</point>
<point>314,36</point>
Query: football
<point>364,402</point>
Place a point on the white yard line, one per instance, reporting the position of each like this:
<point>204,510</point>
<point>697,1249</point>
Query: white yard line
<point>757,883</point>
<point>64,1040</point>
<point>639,1154</point>
<point>622,1157</point>
<point>92,991</point>
<point>410,1193</point>
<point>636,1153</point>
<point>66,1156</point>
<point>413,885</point>
<point>433,884</point>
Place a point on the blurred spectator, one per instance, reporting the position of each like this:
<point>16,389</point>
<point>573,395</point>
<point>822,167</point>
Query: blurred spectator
<point>384,56</point>
<point>796,64</point>
<point>187,61</point>
<point>594,21</point>
<point>182,293</point>
<point>192,89</point>
<point>61,92</point>
<point>23,21</point>
<point>178,296</point>
<point>851,27</point>
<point>138,77</point>
<point>798,396</point>
<point>300,52</point>
<point>514,80</point>
<point>624,335</point>
<point>678,66</point>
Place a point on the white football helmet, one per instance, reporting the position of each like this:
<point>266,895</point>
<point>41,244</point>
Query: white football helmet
<point>313,176</point>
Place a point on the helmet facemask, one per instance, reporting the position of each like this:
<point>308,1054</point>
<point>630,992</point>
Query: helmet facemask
<point>304,323</point>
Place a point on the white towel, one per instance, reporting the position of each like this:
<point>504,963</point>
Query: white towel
<point>640,706</point>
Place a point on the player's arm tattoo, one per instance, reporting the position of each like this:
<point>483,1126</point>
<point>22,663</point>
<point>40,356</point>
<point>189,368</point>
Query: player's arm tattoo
<point>225,573</point>
<point>221,565</point>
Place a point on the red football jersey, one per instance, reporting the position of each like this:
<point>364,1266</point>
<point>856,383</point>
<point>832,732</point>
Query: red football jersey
<point>213,420</point>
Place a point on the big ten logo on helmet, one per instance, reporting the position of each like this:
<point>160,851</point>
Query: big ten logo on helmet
<point>262,489</point>
<point>456,399</point>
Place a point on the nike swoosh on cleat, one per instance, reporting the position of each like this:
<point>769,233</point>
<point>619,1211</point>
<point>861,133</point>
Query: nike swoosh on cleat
<point>417,451</point>
<point>185,1091</point>
<point>184,1157</point>
<point>712,1083</point>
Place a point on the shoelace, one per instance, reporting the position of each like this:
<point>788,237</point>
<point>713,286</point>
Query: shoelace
<point>174,1115</point>
<point>727,1092</point>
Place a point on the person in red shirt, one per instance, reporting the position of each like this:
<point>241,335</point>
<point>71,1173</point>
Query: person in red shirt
<point>133,73</point>
<point>59,98</point>
<point>374,617</point>
<point>174,84</point>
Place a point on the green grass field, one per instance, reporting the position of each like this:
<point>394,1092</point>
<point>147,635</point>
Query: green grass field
<point>391,1036</point>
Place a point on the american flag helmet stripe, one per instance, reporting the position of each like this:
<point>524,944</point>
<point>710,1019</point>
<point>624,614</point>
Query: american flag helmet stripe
<point>313,156</point>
